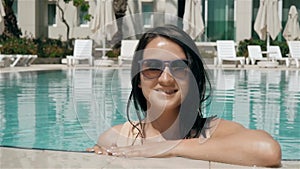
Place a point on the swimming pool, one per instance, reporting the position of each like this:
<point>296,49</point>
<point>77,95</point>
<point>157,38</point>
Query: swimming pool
<point>68,109</point>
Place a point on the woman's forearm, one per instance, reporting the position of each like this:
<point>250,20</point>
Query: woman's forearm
<point>244,148</point>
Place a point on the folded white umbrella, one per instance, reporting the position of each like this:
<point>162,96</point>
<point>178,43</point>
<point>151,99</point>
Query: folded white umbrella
<point>267,20</point>
<point>2,14</point>
<point>292,29</point>
<point>132,22</point>
<point>192,18</point>
<point>104,24</point>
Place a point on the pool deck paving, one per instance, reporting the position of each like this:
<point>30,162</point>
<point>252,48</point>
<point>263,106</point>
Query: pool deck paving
<point>38,67</point>
<point>33,158</point>
<point>30,158</point>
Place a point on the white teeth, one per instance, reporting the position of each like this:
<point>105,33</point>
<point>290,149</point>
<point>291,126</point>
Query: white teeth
<point>168,91</point>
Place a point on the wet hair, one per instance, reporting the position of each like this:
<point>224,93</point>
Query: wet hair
<point>191,119</point>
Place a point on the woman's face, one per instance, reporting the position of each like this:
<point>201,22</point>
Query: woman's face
<point>164,76</point>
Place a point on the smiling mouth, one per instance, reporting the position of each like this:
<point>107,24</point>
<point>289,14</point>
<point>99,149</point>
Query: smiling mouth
<point>167,92</point>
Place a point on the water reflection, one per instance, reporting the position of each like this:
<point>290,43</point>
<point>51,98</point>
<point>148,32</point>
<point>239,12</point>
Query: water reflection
<point>265,99</point>
<point>68,109</point>
<point>293,88</point>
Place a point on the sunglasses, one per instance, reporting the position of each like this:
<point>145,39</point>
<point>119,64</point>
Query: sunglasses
<point>153,68</point>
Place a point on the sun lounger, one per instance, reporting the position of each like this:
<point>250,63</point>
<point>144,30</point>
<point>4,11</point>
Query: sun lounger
<point>82,51</point>
<point>255,54</point>
<point>275,55</point>
<point>21,60</point>
<point>2,60</point>
<point>226,52</point>
<point>17,60</point>
<point>127,51</point>
<point>294,47</point>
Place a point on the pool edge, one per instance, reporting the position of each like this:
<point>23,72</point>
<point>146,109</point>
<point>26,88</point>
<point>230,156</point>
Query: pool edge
<point>32,158</point>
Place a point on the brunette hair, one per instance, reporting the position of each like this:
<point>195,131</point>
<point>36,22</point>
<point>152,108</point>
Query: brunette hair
<point>191,120</point>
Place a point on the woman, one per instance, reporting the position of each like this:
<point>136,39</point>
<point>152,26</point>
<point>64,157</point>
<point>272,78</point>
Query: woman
<point>169,88</point>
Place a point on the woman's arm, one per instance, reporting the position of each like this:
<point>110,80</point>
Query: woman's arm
<point>248,147</point>
<point>230,143</point>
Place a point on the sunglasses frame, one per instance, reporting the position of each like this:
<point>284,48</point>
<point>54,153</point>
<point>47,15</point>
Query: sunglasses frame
<point>165,63</point>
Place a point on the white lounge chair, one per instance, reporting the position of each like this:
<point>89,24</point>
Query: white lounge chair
<point>22,60</point>
<point>226,51</point>
<point>275,55</point>
<point>31,59</point>
<point>17,60</point>
<point>294,47</point>
<point>127,50</point>
<point>3,59</point>
<point>255,54</point>
<point>83,50</point>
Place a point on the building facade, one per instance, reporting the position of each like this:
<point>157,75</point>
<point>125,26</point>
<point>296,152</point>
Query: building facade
<point>223,19</point>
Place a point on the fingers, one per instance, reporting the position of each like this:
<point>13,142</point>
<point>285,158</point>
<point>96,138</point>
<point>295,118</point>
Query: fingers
<point>96,149</point>
<point>114,151</point>
<point>90,150</point>
<point>123,152</point>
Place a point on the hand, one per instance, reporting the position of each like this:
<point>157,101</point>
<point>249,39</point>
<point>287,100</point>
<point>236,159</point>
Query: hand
<point>153,149</point>
<point>98,150</point>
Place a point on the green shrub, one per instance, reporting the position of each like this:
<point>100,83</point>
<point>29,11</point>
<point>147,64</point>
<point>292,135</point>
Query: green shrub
<point>113,53</point>
<point>52,48</point>
<point>243,51</point>
<point>43,47</point>
<point>19,46</point>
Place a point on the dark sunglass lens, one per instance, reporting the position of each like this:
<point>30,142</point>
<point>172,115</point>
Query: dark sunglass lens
<point>152,68</point>
<point>152,73</point>
<point>179,68</point>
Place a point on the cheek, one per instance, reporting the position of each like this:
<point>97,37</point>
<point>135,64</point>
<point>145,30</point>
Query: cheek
<point>184,88</point>
<point>146,86</point>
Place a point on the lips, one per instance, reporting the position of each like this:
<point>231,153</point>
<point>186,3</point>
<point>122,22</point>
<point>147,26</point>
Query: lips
<point>167,91</point>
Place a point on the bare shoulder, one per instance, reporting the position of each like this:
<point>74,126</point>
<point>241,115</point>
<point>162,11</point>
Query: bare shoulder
<point>109,137</point>
<point>226,124</point>
<point>226,127</point>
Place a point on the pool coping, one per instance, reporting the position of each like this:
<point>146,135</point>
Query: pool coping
<point>32,158</point>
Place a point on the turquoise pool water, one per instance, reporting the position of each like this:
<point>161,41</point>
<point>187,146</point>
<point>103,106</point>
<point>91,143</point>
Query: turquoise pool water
<point>68,109</point>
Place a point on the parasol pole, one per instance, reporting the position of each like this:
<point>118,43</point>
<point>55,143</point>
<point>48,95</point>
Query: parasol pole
<point>104,29</point>
<point>268,45</point>
<point>268,50</point>
<point>268,41</point>
<point>104,42</point>
<point>104,45</point>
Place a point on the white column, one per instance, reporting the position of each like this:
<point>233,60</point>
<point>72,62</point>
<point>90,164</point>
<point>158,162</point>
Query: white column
<point>27,17</point>
<point>243,19</point>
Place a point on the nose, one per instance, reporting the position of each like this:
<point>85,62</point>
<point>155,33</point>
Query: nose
<point>166,77</point>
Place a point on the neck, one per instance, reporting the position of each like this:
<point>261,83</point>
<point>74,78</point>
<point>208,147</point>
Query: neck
<point>166,123</point>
